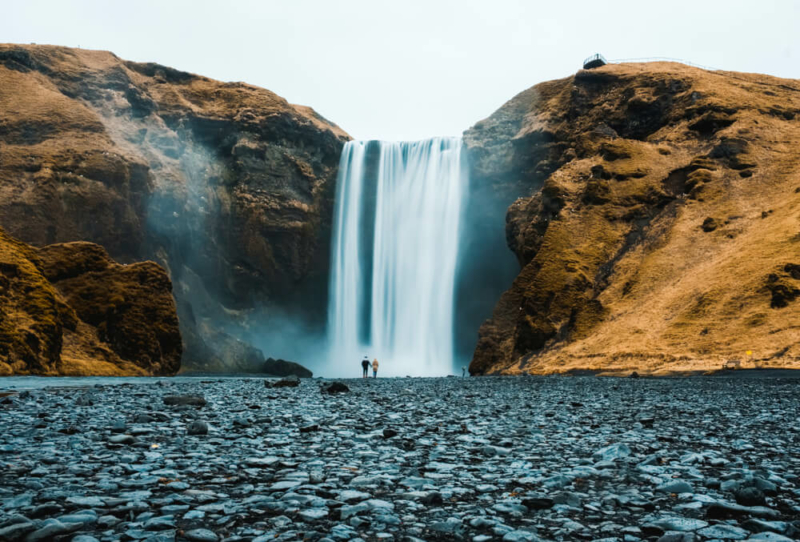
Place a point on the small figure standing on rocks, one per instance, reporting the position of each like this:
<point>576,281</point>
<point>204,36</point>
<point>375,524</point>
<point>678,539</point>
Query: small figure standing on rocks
<point>375,368</point>
<point>463,371</point>
<point>365,366</point>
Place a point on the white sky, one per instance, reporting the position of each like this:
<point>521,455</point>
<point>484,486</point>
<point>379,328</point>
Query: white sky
<point>409,69</point>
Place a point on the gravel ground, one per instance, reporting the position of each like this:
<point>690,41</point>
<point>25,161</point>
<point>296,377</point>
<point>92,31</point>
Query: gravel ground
<point>527,458</point>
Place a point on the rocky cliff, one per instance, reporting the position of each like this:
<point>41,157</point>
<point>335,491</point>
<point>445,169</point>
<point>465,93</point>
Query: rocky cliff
<point>226,185</point>
<point>69,309</point>
<point>658,223</point>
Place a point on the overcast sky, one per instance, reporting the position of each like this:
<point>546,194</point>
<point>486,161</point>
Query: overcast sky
<point>408,69</point>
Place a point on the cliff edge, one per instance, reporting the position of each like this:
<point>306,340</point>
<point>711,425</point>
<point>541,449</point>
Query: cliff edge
<point>226,185</point>
<point>658,228</point>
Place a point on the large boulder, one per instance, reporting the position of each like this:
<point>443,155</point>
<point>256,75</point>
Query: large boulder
<point>291,381</point>
<point>232,355</point>
<point>280,367</point>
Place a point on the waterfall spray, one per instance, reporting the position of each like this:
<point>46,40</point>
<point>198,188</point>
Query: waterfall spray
<point>395,249</point>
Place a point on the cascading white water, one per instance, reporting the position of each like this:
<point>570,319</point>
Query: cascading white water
<point>395,249</point>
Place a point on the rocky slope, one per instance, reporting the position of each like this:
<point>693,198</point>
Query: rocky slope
<point>659,224</point>
<point>68,309</point>
<point>227,185</point>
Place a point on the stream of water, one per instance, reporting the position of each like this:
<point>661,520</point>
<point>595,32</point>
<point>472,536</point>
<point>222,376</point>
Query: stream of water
<point>395,250</point>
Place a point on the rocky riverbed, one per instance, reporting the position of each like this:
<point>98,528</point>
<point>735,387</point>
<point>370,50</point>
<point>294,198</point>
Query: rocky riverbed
<point>529,458</point>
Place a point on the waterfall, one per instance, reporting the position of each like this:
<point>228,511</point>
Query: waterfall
<point>395,249</point>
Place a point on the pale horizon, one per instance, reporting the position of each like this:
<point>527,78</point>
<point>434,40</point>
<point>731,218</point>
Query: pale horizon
<point>413,70</point>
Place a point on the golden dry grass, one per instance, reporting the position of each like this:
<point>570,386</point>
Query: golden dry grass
<point>625,276</point>
<point>70,310</point>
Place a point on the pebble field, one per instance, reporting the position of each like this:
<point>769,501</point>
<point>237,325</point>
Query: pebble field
<point>476,459</point>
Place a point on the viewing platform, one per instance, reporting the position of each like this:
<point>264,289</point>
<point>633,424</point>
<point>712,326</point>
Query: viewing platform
<point>594,61</point>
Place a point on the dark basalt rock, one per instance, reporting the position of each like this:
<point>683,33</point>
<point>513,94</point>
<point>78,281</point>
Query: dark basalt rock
<point>322,463</point>
<point>725,510</point>
<point>197,427</point>
<point>336,387</point>
<point>291,381</point>
<point>750,496</point>
<point>538,503</point>
<point>190,400</point>
<point>783,288</point>
<point>280,367</point>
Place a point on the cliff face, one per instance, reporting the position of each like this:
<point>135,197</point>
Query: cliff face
<point>68,309</point>
<point>659,224</point>
<point>227,185</point>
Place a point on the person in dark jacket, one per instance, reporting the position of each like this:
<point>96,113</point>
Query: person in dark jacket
<point>365,366</point>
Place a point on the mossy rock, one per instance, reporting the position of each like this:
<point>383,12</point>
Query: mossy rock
<point>71,306</point>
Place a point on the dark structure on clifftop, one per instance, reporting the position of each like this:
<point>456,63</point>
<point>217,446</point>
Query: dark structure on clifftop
<point>595,61</point>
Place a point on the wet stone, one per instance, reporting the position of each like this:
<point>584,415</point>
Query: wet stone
<point>676,486</point>
<point>122,439</point>
<point>291,381</point>
<point>612,452</point>
<point>86,501</point>
<point>474,459</point>
<point>16,531</point>
<point>750,496</point>
<point>770,537</point>
<point>119,426</point>
<point>722,531</point>
<point>336,387</point>
<point>161,523</point>
<point>48,531</point>
<point>242,421</point>
<point>190,400</point>
<point>197,427</point>
<point>201,535</point>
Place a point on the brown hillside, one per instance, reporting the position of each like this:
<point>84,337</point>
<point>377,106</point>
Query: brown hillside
<point>71,310</point>
<point>227,185</point>
<point>661,232</point>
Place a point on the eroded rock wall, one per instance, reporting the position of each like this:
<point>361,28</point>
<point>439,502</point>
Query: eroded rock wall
<point>657,224</point>
<point>226,185</point>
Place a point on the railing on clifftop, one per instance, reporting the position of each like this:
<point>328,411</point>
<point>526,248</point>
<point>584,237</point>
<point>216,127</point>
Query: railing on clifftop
<point>598,60</point>
<point>662,59</point>
<point>594,61</point>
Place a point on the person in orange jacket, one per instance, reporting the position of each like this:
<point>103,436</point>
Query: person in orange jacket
<point>375,368</point>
